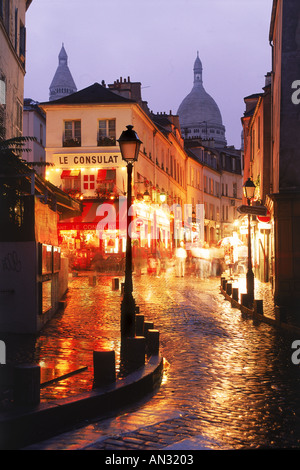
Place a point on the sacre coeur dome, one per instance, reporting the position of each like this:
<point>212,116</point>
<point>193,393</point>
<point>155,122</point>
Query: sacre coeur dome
<point>199,114</point>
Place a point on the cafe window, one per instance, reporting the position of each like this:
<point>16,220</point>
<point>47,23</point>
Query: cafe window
<point>72,134</point>
<point>56,261</point>
<point>106,181</point>
<point>46,259</point>
<point>107,132</point>
<point>71,181</point>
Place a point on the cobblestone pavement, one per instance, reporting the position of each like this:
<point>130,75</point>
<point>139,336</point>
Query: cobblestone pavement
<point>228,384</point>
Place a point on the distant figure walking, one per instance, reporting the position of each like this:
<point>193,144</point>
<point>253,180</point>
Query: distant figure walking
<point>180,260</point>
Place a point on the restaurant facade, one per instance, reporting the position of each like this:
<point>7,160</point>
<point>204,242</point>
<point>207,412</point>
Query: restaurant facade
<point>81,146</point>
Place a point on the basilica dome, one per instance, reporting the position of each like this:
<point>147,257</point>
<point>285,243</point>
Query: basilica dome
<point>199,114</point>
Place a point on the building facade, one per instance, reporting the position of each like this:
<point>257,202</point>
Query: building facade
<point>257,147</point>
<point>182,177</point>
<point>284,199</point>
<point>12,66</point>
<point>34,125</point>
<point>215,180</point>
<point>272,144</point>
<point>81,143</point>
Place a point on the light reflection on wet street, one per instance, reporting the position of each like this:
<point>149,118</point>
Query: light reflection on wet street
<point>236,377</point>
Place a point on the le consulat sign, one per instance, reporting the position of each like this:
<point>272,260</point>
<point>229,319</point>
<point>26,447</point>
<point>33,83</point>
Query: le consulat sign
<point>87,159</point>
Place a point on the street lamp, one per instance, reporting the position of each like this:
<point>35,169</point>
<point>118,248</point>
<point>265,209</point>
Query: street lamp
<point>162,197</point>
<point>249,190</point>
<point>147,196</point>
<point>129,146</point>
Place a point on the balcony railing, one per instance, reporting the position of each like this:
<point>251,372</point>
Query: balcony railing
<point>71,142</point>
<point>106,141</point>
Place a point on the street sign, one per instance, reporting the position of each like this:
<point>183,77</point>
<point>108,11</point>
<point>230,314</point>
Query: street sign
<point>253,210</point>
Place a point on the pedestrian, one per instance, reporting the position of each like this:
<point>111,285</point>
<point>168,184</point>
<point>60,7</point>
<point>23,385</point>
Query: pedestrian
<point>180,260</point>
<point>158,259</point>
<point>196,254</point>
<point>137,256</point>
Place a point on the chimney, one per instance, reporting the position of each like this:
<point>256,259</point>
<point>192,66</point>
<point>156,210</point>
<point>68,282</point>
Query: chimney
<point>268,79</point>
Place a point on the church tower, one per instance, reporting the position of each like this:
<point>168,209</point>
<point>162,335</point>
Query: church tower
<point>198,71</point>
<point>62,83</point>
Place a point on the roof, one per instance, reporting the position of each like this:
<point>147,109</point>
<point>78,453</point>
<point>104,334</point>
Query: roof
<point>253,96</point>
<point>95,93</point>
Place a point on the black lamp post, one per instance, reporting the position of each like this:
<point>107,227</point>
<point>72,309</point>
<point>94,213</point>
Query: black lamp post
<point>129,146</point>
<point>249,190</point>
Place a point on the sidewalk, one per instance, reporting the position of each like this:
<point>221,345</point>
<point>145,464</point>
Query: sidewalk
<point>26,424</point>
<point>280,317</point>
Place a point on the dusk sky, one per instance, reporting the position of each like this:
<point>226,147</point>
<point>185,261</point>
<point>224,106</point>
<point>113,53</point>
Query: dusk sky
<point>154,42</point>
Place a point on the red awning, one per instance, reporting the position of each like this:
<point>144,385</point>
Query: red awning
<point>101,175</point>
<point>109,176</point>
<point>70,174</point>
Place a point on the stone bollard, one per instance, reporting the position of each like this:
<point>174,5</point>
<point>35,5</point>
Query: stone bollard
<point>152,342</point>
<point>139,325</point>
<point>244,300</point>
<point>229,288</point>
<point>115,284</point>
<point>122,287</point>
<point>148,325</point>
<point>277,314</point>
<point>224,283</point>
<point>26,384</point>
<point>92,280</point>
<point>62,304</point>
<point>235,294</point>
<point>280,315</point>
<point>104,368</point>
<point>133,351</point>
<point>258,307</point>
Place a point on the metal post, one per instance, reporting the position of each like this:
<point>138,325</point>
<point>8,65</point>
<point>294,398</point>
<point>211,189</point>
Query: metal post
<point>250,275</point>
<point>128,302</point>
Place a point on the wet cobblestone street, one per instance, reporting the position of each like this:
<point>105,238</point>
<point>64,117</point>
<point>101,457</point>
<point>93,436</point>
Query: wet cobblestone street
<point>225,378</point>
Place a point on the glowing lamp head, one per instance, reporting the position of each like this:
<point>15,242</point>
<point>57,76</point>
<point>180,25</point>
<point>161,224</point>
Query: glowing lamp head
<point>162,197</point>
<point>147,196</point>
<point>129,145</point>
<point>249,189</point>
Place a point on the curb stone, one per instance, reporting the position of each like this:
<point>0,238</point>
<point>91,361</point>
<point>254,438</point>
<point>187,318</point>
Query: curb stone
<point>26,425</point>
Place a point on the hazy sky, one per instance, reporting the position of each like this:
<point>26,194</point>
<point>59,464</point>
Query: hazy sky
<point>155,42</point>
